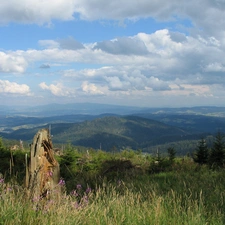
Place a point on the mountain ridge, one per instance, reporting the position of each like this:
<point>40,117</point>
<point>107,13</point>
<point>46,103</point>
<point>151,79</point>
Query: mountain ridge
<point>109,131</point>
<point>92,129</point>
<point>55,109</point>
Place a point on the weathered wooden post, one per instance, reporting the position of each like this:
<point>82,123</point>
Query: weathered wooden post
<point>42,173</point>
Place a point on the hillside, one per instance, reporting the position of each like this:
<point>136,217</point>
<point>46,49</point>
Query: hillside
<point>109,132</point>
<point>179,127</point>
<point>128,131</point>
<point>200,123</point>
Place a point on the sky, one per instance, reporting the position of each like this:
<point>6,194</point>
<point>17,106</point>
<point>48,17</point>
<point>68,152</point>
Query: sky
<point>147,53</point>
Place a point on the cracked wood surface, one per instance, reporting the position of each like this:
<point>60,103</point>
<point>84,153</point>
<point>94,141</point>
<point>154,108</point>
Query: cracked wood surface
<point>42,174</point>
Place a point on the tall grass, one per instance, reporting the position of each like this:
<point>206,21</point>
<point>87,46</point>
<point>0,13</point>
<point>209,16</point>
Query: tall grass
<point>193,197</point>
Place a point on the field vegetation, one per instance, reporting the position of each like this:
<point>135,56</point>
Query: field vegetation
<point>121,187</point>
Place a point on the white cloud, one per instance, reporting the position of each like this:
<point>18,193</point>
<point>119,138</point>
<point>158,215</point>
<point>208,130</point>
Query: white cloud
<point>36,11</point>
<point>124,46</point>
<point>7,87</point>
<point>11,62</point>
<point>124,9</point>
<point>70,43</point>
<point>57,90</point>
<point>201,13</point>
<point>116,84</point>
<point>158,85</point>
<point>171,58</point>
<point>215,67</point>
<point>135,80</point>
<point>189,90</point>
<point>164,62</point>
<point>91,89</point>
<point>163,53</point>
<point>118,78</point>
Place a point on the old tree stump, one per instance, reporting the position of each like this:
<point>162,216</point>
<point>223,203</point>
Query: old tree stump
<point>42,172</point>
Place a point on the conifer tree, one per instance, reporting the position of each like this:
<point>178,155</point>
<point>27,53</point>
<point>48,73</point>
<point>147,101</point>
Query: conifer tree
<point>171,153</point>
<point>217,155</point>
<point>202,152</point>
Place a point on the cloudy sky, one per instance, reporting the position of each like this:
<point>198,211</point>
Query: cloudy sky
<point>152,53</point>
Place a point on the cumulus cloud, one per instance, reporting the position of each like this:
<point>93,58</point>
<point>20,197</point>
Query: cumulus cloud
<point>188,61</point>
<point>171,55</point>
<point>36,11</point>
<point>159,44</point>
<point>158,85</point>
<point>136,81</point>
<point>57,90</point>
<point>115,84</point>
<point>215,67</point>
<point>125,9</point>
<point>178,37</point>
<point>162,52</point>
<point>150,62</point>
<point>123,45</point>
<point>12,62</point>
<point>91,88</point>
<point>189,90</point>
<point>70,43</point>
<point>44,66</point>
<point>201,13</point>
<point>119,78</point>
<point>7,87</point>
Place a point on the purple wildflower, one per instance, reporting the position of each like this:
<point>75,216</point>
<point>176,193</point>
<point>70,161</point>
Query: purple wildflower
<point>74,193</point>
<point>79,186</point>
<point>85,199</point>
<point>88,190</point>
<point>61,182</point>
<point>1,181</point>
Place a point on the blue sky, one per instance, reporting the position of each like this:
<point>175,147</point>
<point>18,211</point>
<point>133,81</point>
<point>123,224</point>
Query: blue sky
<point>140,53</point>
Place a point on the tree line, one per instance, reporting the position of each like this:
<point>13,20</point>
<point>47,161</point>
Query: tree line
<point>214,156</point>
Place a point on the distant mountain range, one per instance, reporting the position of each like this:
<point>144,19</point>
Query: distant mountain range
<point>67,109</point>
<point>107,126</point>
<point>96,109</point>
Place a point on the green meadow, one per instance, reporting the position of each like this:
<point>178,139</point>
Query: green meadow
<point>126,187</point>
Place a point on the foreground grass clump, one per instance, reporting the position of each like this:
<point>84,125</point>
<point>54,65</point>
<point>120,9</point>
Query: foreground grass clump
<point>181,197</point>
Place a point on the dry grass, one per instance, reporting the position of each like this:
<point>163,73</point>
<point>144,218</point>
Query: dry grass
<point>144,201</point>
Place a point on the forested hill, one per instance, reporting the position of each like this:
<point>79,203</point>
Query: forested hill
<point>111,132</point>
